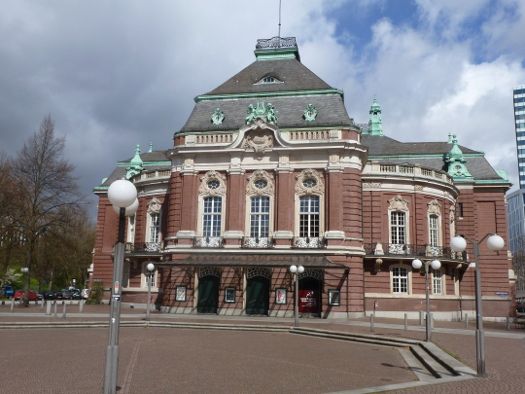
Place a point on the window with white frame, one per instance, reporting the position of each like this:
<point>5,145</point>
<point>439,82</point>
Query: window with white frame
<point>437,282</point>
<point>212,216</point>
<point>399,280</point>
<point>260,216</point>
<point>433,230</point>
<point>154,227</point>
<point>130,237</point>
<point>398,227</point>
<point>309,213</point>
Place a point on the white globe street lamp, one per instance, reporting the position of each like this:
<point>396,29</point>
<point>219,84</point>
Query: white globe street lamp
<point>123,196</point>
<point>435,265</point>
<point>295,270</point>
<point>494,243</point>
<point>151,269</point>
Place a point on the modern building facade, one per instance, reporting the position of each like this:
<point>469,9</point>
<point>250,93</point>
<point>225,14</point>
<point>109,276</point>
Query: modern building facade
<point>269,171</point>
<point>518,96</point>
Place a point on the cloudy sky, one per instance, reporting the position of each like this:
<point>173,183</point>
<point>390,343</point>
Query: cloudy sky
<point>117,73</point>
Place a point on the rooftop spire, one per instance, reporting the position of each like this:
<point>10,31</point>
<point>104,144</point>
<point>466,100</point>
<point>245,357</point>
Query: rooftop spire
<point>375,125</point>
<point>456,161</point>
<point>136,165</point>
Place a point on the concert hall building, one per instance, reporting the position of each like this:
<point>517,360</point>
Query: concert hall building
<point>270,171</point>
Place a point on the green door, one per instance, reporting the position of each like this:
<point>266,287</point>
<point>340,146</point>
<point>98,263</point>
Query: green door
<point>257,296</point>
<point>208,294</point>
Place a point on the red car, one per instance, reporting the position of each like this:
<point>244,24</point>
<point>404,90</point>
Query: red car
<point>19,295</point>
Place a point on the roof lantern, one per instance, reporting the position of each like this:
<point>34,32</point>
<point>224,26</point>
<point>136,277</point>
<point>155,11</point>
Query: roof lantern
<point>375,125</point>
<point>276,48</point>
<point>136,165</point>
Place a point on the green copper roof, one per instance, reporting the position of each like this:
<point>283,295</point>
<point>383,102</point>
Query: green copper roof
<point>456,162</point>
<point>136,165</point>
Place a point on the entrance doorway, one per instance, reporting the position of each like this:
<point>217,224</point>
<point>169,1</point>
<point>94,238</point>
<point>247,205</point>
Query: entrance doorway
<point>208,294</point>
<point>257,295</point>
<point>310,290</point>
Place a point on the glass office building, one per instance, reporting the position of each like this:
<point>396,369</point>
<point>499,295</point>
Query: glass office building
<point>519,124</point>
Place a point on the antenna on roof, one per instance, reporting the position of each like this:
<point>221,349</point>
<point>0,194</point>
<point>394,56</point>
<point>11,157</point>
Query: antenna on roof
<point>279,32</point>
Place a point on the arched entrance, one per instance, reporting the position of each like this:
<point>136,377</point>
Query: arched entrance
<point>310,291</point>
<point>208,299</point>
<point>258,291</point>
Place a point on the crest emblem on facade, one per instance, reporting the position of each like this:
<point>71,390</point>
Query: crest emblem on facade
<point>217,117</point>
<point>310,113</point>
<point>258,141</point>
<point>261,110</point>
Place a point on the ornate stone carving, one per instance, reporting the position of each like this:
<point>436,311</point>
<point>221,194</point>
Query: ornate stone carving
<point>398,203</point>
<point>258,141</point>
<point>212,184</point>
<point>418,188</point>
<point>310,113</point>
<point>217,117</point>
<point>209,271</point>
<point>260,183</point>
<point>371,185</point>
<point>434,208</point>
<point>154,205</point>
<point>261,110</point>
<point>252,272</point>
<point>309,182</point>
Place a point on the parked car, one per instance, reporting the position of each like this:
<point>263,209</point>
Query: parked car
<point>69,294</point>
<point>32,296</point>
<point>520,309</point>
<point>7,291</point>
<point>49,295</point>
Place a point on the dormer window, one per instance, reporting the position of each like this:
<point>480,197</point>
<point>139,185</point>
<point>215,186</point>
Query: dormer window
<point>268,79</point>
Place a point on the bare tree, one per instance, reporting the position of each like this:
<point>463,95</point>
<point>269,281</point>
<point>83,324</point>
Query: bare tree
<point>45,187</point>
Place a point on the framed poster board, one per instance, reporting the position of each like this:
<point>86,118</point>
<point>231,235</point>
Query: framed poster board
<point>180,293</point>
<point>280,296</point>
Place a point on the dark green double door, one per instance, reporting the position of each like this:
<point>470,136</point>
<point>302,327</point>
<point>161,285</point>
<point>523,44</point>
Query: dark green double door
<point>208,294</point>
<point>257,296</point>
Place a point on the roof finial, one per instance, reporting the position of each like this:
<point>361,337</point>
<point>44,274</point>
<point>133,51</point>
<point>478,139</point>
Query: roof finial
<point>456,163</point>
<point>279,31</point>
<point>135,165</point>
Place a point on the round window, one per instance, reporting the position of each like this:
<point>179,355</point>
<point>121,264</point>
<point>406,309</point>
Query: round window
<point>309,182</point>
<point>260,183</point>
<point>213,184</point>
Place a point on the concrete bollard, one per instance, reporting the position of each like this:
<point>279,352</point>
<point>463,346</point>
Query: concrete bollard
<point>81,306</point>
<point>64,311</point>
<point>431,320</point>
<point>507,323</point>
<point>48,308</point>
<point>372,322</point>
<point>55,308</point>
<point>406,321</point>
<point>421,319</point>
<point>12,304</point>
<point>466,320</point>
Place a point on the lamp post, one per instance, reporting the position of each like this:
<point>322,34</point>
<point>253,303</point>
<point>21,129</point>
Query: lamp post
<point>150,268</point>
<point>25,270</point>
<point>294,269</point>
<point>435,265</point>
<point>494,243</point>
<point>123,196</point>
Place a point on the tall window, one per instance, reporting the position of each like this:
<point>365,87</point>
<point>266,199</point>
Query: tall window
<point>433,230</point>
<point>211,223</point>
<point>309,216</point>
<point>154,227</point>
<point>437,282</point>
<point>399,280</point>
<point>260,217</point>
<point>131,229</point>
<point>398,227</point>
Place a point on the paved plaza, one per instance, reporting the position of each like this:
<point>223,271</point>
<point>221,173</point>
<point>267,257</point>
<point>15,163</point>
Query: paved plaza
<point>169,360</point>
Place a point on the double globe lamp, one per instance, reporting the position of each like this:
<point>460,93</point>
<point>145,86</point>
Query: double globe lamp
<point>123,196</point>
<point>294,269</point>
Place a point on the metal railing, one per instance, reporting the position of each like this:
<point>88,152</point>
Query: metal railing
<point>146,247</point>
<point>257,243</point>
<point>409,250</point>
<point>207,242</point>
<point>309,242</point>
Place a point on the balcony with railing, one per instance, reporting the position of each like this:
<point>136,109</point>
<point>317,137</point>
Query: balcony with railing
<point>257,243</point>
<point>309,242</point>
<point>207,242</point>
<point>406,170</point>
<point>408,250</point>
<point>149,248</point>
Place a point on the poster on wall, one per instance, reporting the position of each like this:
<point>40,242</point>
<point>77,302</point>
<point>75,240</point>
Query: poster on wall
<point>280,296</point>
<point>180,293</point>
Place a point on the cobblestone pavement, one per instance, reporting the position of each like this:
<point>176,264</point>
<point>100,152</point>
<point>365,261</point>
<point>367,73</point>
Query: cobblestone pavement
<point>347,367</point>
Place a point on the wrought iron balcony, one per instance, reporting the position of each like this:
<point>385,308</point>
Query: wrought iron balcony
<point>309,243</point>
<point>255,242</point>
<point>408,250</point>
<point>207,242</point>
<point>147,247</point>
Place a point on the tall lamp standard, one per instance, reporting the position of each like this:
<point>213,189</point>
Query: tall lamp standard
<point>294,269</point>
<point>435,264</point>
<point>150,268</point>
<point>25,270</point>
<point>123,196</point>
<point>494,243</point>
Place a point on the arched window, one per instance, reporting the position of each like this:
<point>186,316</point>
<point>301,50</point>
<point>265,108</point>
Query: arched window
<point>212,202</point>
